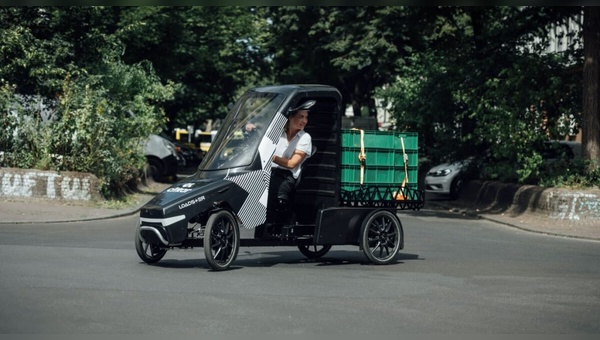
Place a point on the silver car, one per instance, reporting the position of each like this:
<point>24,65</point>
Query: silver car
<point>449,178</point>
<point>446,178</point>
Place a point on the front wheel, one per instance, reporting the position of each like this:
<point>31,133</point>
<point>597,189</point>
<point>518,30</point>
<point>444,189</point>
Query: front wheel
<point>456,187</point>
<point>381,236</point>
<point>221,240</point>
<point>149,253</point>
<point>314,251</point>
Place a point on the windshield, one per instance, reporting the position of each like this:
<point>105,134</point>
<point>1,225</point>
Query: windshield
<point>237,140</point>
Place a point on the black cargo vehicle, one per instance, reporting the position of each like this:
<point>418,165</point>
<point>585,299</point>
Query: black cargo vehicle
<point>230,188</point>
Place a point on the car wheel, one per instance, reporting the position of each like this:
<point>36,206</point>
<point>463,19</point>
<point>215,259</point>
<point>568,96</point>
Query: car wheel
<point>155,169</point>
<point>456,187</point>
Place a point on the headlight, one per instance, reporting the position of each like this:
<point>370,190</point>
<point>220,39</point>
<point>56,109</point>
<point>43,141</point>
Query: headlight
<point>170,147</point>
<point>439,173</point>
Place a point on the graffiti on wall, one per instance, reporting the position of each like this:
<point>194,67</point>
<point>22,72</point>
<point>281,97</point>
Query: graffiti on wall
<point>574,206</point>
<point>45,184</point>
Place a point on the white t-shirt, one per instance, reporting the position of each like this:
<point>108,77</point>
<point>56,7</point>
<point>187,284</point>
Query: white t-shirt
<point>302,142</point>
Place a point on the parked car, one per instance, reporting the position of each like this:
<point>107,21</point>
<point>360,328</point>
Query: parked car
<point>449,178</point>
<point>553,151</point>
<point>188,157</point>
<point>162,157</point>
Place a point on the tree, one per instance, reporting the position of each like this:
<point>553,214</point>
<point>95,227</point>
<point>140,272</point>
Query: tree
<point>591,87</point>
<point>103,108</point>
<point>211,51</point>
<point>484,84</point>
<point>356,49</point>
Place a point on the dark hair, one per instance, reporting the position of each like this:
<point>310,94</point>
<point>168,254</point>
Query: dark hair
<point>290,115</point>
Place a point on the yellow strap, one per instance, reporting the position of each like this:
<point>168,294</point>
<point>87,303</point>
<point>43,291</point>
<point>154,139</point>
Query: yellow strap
<point>402,194</point>
<point>362,156</point>
<point>405,163</point>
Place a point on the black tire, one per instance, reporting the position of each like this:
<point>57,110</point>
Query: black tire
<point>456,187</point>
<point>314,251</point>
<point>381,236</point>
<point>149,253</point>
<point>221,240</point>
<point>155,169</point>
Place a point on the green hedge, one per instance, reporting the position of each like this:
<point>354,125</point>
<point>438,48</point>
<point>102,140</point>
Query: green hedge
<point>94,124</point>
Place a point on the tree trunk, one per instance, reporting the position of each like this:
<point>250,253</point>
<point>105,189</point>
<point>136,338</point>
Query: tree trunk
<point>591,91</point>
<point>356,108</point>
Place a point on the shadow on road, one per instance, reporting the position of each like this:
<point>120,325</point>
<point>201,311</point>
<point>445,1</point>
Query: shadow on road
<point>269,259</point>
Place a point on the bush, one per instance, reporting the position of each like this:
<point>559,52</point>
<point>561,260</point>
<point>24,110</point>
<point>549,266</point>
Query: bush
<point>570,174</point>
<point>97,125</point>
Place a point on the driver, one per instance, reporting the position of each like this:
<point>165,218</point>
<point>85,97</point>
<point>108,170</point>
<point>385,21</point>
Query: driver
<point>293,148</point>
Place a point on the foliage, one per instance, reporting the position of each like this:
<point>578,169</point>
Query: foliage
<point>484,88</point>
<point>355,49</point>
<point>472,81</point>
<point>92,131</point>
<point>570,174</point>
<point>211,51</point>
<point>99,109</point>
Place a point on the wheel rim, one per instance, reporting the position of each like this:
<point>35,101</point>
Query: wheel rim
<point>149,253</point>
<point>221,242</point>
<point>382,237</point>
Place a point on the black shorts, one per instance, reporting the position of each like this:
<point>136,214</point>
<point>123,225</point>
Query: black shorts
<point>282,185</point>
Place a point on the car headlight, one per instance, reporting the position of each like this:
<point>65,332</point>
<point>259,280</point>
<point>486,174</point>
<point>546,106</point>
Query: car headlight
<point>439,173</point>
<point>170,147</point>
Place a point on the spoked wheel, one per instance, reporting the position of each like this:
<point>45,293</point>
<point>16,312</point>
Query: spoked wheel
<point>149,253</point>
<point>314,251</point>
<point>381,236</point>
<point>221,240</point>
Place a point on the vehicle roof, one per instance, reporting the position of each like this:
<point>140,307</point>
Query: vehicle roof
<point>292,89</point>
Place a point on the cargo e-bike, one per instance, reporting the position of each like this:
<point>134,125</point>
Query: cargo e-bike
<point>333,204</point>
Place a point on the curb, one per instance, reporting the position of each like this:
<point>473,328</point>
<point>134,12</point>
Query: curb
<point>107,217</point>
<point>544,207</point>
<point>556,203</point>
<point>541,232</point>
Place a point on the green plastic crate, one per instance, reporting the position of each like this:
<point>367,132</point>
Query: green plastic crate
<point>379,157</point>
<point>411,140</point>
<point>381,139</point>
<point>378,174</point>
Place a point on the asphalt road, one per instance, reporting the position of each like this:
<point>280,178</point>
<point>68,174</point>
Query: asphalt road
<point>456,275</point>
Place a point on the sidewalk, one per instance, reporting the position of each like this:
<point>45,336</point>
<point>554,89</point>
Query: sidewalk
<point>27,211</point>
<point>528,221</point>
<point>560,212</point>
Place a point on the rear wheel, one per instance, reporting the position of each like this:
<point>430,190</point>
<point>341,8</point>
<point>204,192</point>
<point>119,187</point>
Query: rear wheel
<point>314,251</point>
<point>381,236</point>
<point>149,253</point>
<point>221,240</point>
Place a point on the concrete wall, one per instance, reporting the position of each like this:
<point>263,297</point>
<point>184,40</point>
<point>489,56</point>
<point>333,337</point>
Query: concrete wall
<point>560,204</point>
<point>29,183</point>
